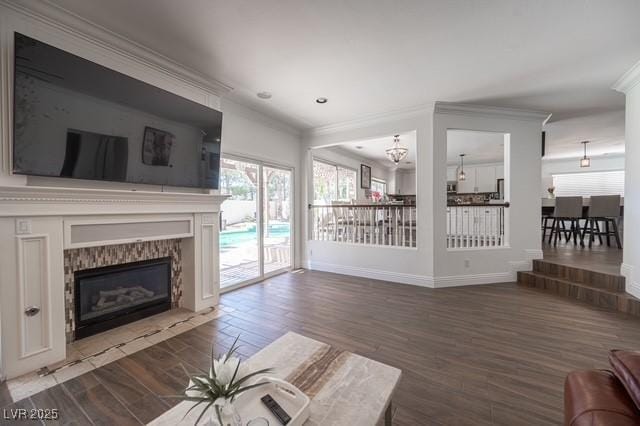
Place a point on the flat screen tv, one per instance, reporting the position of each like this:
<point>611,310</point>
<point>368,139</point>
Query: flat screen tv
<point>76,119</point>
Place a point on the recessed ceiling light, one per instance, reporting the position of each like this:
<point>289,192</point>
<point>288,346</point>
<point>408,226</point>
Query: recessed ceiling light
<point>358,146</point>
<point>264,95</point>
<point>322,100</point>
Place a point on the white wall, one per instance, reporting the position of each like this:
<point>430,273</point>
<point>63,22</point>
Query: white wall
<point>572,165</point>
<point>249,134</point>
<point>405,182</point>
<point>397,264</point>
<point>630,84</point>
<point>522,179</point>
<point>350,160</point>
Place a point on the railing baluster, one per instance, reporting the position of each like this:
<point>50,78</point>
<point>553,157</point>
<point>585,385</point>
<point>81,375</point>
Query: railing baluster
<point>404,233</point>
<point>484,227</point>
<point>410,227</point>
<point>372,228</point>
<point>384,232</point>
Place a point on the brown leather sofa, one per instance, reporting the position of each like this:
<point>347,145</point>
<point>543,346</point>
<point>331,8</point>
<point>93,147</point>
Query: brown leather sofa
<point>603,397</point>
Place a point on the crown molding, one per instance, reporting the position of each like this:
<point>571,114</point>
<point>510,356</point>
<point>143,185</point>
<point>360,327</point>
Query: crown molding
<point>339,150</point>
<point>490,111</point>
<point>370,120</point>
<point>241,109</point>
<point>57,17</point>
<point>629,79</point>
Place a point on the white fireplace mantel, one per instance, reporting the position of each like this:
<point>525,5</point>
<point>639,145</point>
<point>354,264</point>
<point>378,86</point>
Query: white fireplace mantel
<point>36,227</point>
<point>16,201</point>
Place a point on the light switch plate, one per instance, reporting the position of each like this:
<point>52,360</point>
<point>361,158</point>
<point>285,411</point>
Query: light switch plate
<point>23,226</point>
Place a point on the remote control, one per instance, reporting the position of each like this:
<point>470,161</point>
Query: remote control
<point>276,409</point>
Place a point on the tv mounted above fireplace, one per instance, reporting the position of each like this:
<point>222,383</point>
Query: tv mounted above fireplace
<point>76,119</point>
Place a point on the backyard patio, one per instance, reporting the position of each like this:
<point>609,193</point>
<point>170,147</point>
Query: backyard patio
<point>240,236</point>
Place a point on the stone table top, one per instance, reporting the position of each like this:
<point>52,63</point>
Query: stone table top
<point>344,388</point>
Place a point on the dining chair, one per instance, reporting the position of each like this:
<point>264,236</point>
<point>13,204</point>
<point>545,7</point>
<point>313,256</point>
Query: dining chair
<point>545,226</point>
<point>567,209</point>
<point>605,209</point>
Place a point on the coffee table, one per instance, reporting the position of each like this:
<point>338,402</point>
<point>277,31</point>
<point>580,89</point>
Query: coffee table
<point>344,388</point>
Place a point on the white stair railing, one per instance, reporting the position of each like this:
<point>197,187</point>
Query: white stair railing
<point>476,226</point>
<point>371,224</point>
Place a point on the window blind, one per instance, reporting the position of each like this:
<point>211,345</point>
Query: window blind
<point>590,183</point>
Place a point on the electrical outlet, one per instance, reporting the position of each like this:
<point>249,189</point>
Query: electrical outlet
<point>467,263</point>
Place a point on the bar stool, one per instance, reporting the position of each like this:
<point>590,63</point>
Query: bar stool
<point>567,209</point>
<point>606,209</point>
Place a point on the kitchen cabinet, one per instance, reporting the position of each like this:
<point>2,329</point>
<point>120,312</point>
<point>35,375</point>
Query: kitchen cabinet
<point>486,179</point>
<point>452,174</point>
<point>480,179</point>
<point>468,185</point>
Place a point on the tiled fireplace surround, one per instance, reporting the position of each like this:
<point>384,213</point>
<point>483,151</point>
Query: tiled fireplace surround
<point>95,257</point>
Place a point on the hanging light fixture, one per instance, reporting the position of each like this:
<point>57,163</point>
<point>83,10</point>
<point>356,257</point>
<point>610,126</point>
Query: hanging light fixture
<point>585,161</point>
<point>396,153</point>
<point>462,175</point>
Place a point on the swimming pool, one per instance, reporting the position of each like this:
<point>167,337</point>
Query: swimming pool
<point>231,239</point>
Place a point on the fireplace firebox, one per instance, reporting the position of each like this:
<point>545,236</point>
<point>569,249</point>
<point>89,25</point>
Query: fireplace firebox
<point>111,296</point>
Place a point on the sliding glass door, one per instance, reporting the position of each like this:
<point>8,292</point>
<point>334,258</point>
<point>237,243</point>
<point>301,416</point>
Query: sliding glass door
<point>239,237</point>
<point>276,216</point>
<point>256,221</point>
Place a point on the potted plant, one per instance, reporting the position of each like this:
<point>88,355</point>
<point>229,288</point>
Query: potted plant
<point>227,378</point>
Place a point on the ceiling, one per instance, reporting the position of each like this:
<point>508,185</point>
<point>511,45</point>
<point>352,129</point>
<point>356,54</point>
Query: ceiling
<point>372,57</point>
<point>604,131</point>
<point>478,147</point>
<point>374,149</point>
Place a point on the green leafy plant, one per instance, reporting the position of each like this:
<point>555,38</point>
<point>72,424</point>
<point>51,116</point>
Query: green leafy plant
<point>226,379</point>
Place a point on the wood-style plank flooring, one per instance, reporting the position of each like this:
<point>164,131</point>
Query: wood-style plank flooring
<point>599,258</point>
<point>480,355</point>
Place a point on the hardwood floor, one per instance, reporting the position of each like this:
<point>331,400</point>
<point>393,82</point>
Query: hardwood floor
<point>598,258</point>
<point>480,355</point>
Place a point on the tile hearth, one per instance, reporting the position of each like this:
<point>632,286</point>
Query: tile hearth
<point>101,349</point>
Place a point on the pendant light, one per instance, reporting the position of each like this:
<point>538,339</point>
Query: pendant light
<point>462,175</point>
<point>396,153</point>
<point>585,161</point>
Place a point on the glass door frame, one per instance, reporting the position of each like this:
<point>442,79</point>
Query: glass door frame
<point>261,164</point>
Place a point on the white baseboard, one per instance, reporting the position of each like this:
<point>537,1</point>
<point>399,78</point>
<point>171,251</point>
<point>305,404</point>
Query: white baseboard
<point>533,254</point>
<point>632,287</point>
<point>377,274</point>
<point>473,279</point>
<point>626,270</point>
<point>520,265</point>
<point>424,281</point>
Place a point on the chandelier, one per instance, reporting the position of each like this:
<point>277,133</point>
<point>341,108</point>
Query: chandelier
<point>396,153</point>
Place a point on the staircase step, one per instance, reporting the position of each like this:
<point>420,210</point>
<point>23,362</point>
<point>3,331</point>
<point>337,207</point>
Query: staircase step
<point>601,280</point>
<point>615,300</point>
